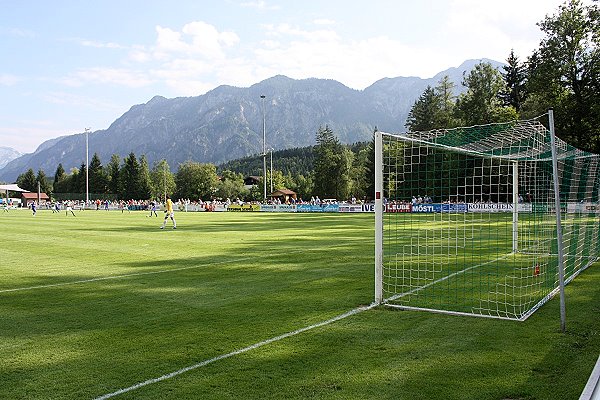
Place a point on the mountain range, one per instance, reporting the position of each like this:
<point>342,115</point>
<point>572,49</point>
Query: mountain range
<point>227,123</point>
<point>8,154</point>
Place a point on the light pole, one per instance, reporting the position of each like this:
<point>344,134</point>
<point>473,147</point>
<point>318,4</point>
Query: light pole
<point>271,151</point>
<point>87,168</point>
<point>165,180</point>
<point>262,96</point>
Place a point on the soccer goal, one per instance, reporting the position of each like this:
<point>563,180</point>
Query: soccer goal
<point>485,220</point>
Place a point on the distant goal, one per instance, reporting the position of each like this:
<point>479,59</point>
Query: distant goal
<point>472,220</point>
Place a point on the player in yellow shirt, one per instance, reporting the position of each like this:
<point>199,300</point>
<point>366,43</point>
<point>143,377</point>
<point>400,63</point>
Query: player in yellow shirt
<point>169,213</point>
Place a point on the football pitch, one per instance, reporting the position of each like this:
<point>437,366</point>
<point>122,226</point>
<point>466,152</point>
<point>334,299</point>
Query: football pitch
<point>254,306</point>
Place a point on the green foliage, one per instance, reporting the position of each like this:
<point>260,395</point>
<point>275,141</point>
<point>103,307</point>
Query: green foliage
<point>564,73</point>
<point>333,163</point>
<point>98,181</point>
<point>61,180</point>
<point>482,103</point>
<point>162,180</point>
<point>515,77</point>
<point>129,178</point>
<point>145,182</point>
<point>112,172</point>
<point>196,181</point>
<point>27,181</point>
<point>434,109</point>
<point>231,186</point>
<point>44,182</point>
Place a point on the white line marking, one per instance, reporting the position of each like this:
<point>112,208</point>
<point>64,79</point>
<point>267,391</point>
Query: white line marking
<point>236,352</point>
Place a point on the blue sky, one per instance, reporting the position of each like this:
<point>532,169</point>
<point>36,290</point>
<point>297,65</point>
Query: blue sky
<point>69,65</point>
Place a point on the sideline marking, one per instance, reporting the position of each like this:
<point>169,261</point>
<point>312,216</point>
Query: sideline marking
<point>236,352</point>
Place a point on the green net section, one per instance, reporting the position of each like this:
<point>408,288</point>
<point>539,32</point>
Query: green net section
<point>470,218</point>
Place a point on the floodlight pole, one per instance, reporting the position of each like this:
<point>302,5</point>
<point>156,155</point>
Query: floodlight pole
<point>87,168</point>
<point>262,96</point>
<point>271,151</point>
<point>165,181</point>
<point>559,233</point>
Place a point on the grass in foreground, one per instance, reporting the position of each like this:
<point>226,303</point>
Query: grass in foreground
<point>222,282</point>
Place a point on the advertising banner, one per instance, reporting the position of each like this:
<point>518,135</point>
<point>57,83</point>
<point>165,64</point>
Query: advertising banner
<point>454,208</point>
<point>308,208</point>
<point>330,207</point>
<point>369,207</point>
<point>285,208</point>
<point>397,208</point>
<point>353,208</point>
<point>243,207</point>
<point>426,208</point>
<point>490,207</point>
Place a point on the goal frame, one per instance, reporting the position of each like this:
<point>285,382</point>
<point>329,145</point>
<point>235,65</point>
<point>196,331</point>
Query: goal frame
<point>379,224</point>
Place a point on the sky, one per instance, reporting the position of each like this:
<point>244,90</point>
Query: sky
<point>68,65</point>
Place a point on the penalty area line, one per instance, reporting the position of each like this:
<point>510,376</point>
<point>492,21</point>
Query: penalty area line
<point>236,352</point>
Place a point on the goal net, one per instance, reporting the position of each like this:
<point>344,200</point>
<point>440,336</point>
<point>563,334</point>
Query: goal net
<point>467,218</point>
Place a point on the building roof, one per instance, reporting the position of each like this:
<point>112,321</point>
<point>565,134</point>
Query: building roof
<point>32,195</point>
<point>283,191</point>
<point>12,188</point>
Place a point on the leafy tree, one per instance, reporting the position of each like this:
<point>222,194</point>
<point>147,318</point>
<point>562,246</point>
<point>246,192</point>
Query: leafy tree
<point>481,104</point>
<point>423,114</point>
<point>565,73</point>
<point>112,172</point>
<point>27,181</point>
<point>358,175</point>
<point>332,166</point>
<point>515,77</point>
<point>304,186</point>
<point>129,178</point>
<point>231,186</point>
<point>196,181</point>
<point>369,170</point>
<point>145,182</point>
<point>447,100</point>
<point>80,182</point>
<point>74,181</point>
<point>162,180</point>
<point>98,180</point>
<point>434,109</point>
<point>60,178</point>
<point>45,185</point>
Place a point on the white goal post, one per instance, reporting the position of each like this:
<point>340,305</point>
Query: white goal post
<point>488,220</point>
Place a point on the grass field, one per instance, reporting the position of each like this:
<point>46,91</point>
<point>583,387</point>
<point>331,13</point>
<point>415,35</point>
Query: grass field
<point>104,301</point>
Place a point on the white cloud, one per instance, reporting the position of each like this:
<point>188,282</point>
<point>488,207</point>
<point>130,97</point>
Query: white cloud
<point>197,39</point>
<point>259,4</point>
<point>93,43</point>
<point>324,21</point>
<point>9,80</point>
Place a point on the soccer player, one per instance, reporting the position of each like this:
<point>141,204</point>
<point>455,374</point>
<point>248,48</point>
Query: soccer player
<point>169,213</point>
<point>69,208</point>
<point>153,209</point>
